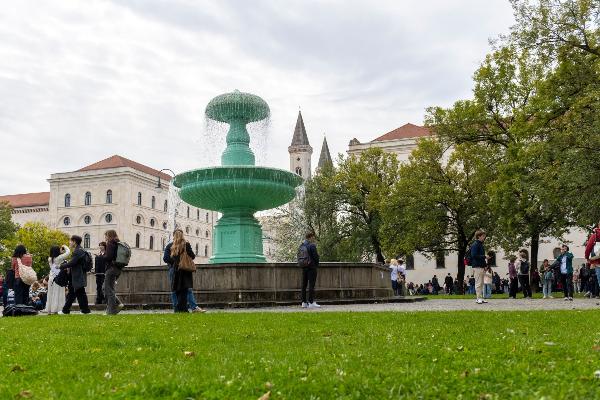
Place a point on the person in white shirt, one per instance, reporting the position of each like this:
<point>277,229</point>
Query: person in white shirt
<point>56,294</point>
<point>394,275</point>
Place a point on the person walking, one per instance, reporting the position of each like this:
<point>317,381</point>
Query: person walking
<point>308,258</point>
<point>513,277</point>
<point>584,277</point>
<point>478,263</point>
<point>111,273</point>
<point>99,271</point>
<point>592,255</point>
<point>56,294</point>
<point>449,284</point>
<point>182,280</point>
<point>77,283</point>
<point>576,283</point>
<point>488,277</point>
<point>565,262</point>
<point>522,266</point>
<point>547,278</point>
<point>394,276</point>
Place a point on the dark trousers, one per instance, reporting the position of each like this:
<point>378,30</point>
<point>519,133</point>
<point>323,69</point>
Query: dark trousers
<point>309,278</point>
<point>21,292</point>
<point>100,299</point>
<point>81,297</point>
<point>567,284</point>
<point>524,280</point>
<point>514,286</point>
<point>182,305</point>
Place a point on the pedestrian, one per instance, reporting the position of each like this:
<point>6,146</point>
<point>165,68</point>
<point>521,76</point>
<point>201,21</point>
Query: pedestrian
<point>449,283</point>
<point>547,278</point>
<point>472,284</point>
<point>112,272</point>
<point>592,255</point>
<point>522,266</point>
<point>78,281</point>
<point>183,280</point>
<point>308,258</point>
<point>488,277</point>
<point>401,278</point>
<point>100,271</point>
<point>565,262</point>
<point>584,277</point>
<point>478,262</point>
<point>435,284</point>
<point>21,289</point>
<point>393,267</point>
<point>191,300</point>
<point>513,277</point>
<point>576,283</point>
<point>56,294</point>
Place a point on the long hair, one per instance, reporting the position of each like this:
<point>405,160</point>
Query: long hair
<point>178,245</point>
<point>54,252</point>
<point>111,235</point>
<point>20,251</point>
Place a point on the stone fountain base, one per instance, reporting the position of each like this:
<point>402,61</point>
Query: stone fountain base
<point>253,285</point>
<point>237,238</point>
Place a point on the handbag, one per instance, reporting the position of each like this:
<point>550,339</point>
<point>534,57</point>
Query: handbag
<point>186,263</point>
<point>26,273</point>
<point>62,279</point>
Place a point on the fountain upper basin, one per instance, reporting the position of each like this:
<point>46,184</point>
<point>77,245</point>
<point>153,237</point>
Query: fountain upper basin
<point>230,187</point>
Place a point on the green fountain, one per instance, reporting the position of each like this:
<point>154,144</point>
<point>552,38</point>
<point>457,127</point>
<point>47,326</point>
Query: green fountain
<point>238,188</point>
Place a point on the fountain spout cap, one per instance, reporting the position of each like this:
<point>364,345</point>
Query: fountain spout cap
<point>237,106</point>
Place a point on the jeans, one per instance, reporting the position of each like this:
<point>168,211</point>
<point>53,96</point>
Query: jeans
<point>472,289</point>
<point>487,290</point>
<point>547,287</point>
<point>524,279</point>
<point>597,269</point>
<point>191,300</point>
<point>81,297</point>
<point>112,273</point>
<point>567,283</point>
<point>513,287</point>
<point>309,278</point>
<point>395,287</point>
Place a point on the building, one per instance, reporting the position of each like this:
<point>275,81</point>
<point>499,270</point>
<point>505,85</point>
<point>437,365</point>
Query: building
<point>401,142</point>
<point>300,150</point>
<point>120,194</point>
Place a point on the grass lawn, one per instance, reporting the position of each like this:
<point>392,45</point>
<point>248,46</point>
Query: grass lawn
<point>427,355</point>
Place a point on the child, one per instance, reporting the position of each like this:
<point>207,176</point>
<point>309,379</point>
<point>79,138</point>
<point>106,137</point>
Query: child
<point>548,278</point>
<point>488,276</point>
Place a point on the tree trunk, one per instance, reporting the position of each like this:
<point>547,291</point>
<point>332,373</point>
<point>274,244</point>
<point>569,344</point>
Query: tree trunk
<point>460,266</point>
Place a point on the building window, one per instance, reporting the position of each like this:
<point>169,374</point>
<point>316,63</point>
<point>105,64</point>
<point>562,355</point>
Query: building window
<point>66,221</point>
<point>410,261</point>
<point>198,214</point>
<point>207,234</point>
<point>166,206</point>
<point>86,241</point>
<point>109,196</point>
<point>188,212</point>
<point>197,248</point>
<point>165,225</point>
<point>108,218</point>
<point>205,251</point>
<point>298,171</point>
<point>137,240</point>
<point>197,232</point>
<point>88,199</point>
<point>187,230</point>
<point>152,222</point>
<point>67,200</point>
<point>139,198</point>
<point>87,219</point>
<point>138,219</point>
<point>440,260</point>
<point>151,243</point>
<point>153,202</point>
<point>206,217</point>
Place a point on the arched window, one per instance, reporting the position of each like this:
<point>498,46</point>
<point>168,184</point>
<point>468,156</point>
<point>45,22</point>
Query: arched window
<point>197,232</point>
<point>67,200</point>
<point>88,199</point>
<point>138,219</point>
<point>440,259</point>
<point>109,196</point>
<point>207,234</point>
<point>152,222</point>
<point>188,212</point>
<point>165,225</point>
<point>187,230</point>
<point>153,202</point>
<point>206,251</point>
<point>206,217</point>
<point>198,214</point>
<point>87,219</point>
<point>298,171</point>
<point>197,248</point>
<point>151,246</point>
<point>139,198</point>
<point>410,261</point>
<point>67,221</point>
<point>86,241</point>
<point>108,218</point>
<point>166,206</point>
<point>137,240</point>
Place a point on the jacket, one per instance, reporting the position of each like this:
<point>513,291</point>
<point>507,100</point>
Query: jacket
<point>312,253</point>
<point>512,270</point>
<point>182,280</point>
<point>589,247</point>
<point>569,257</point>
<point>78,277</point>
<point>478,254</point>
<point>110,255</point>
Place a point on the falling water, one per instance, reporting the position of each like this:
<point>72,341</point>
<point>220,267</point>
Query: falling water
<point>173,202</point>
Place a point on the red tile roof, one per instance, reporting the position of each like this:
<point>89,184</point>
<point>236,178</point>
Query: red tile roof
<point>407,131</point>
<point>118,162</point>
<point>27,199</point>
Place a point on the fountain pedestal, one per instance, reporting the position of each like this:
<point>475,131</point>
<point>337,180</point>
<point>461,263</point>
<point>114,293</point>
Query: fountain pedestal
<point>237,238</point>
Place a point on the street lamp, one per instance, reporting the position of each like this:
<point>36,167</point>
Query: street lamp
<point>159,186</point>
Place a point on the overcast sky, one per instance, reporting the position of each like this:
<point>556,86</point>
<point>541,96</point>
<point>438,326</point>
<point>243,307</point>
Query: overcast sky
<point>83,80</point>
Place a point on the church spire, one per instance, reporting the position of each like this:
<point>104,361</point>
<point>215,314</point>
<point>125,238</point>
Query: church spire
<point>300,138</point>
<point>325,157</point>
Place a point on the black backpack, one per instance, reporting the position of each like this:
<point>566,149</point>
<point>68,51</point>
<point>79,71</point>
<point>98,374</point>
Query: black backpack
<point>62,279</point>
<point>303,256</point>
<point>88,262</point>
<point>524,268</point>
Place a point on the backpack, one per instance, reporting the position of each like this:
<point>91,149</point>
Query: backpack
<point>88,262</point>
<point>303,256</point>
<point>467,259</point>
<point>123,255</point>
<point>62,279</point>
<point>524,268</point>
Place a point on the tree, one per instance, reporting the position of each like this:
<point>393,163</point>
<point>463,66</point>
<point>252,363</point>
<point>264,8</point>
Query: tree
<point>7,227</point>
<point>38,239</point>
<point>436,206</point>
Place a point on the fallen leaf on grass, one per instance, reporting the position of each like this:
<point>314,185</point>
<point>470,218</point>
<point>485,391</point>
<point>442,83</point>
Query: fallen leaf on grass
<point>265,396</point>
<point>107,375</point>
<point>464,374</point>
<point>26,394</point>
<point>189,353</point>
<point>597,374</point>
<point>596,348</point>
<point>550,343</point>
<point>269,385</point>
<point>17,368</point>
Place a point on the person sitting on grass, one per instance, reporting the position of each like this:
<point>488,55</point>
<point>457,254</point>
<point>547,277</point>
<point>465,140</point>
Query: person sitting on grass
<point>548,277</point>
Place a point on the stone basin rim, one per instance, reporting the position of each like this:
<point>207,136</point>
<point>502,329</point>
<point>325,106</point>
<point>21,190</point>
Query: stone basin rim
<point>184,177</point>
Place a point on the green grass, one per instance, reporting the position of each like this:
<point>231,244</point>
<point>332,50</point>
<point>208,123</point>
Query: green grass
<point>437,355</point>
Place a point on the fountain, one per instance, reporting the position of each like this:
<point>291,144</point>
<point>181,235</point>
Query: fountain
<point>238,188</point>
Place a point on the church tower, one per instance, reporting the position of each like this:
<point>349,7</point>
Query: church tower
<point>325,157</point>
<point>300,150</point>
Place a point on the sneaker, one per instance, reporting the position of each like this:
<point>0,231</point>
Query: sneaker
<point>566,299</point>
<point>550,297</point>
<point>304,305</point>
<point>484,301</point>
<point>121,306</point>
<point>479,301</point>
<point>314,305</point>
<point>545,297</point>
<point>588,294</point>
<point>570,299</point>
<point>198,310</point>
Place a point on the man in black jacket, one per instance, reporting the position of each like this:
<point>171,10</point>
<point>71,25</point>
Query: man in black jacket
<point>78,278</point>
<point>309,273</point>
<point>99,270</point>
<point>449,283</point>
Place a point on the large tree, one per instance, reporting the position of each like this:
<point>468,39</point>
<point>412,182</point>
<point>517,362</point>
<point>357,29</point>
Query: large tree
<point>439,201</point>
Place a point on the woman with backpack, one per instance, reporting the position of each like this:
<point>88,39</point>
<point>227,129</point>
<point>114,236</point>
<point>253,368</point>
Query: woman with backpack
<point>180,255</point>
<point>112,272</point>
<point>56,294</point>
<point>522,266</point>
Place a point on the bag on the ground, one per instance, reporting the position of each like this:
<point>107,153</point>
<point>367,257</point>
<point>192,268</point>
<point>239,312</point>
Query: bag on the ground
<point>303,256</point>
<point>27,274</point>
<point>186,263</point>
<point>62,279</point>
<point>18,310</point>
<point>123,255</point>
<point>524,268</point>
<point>88,262</point>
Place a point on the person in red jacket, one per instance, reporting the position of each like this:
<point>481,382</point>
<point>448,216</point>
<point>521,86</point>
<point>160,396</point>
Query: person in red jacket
<point>590,252</point>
